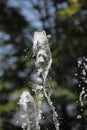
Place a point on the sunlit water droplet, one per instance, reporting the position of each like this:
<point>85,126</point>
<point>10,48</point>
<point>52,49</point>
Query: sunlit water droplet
<point>79,116</point>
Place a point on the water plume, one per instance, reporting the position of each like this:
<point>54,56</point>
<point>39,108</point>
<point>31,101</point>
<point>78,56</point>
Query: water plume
<point>32,106</point>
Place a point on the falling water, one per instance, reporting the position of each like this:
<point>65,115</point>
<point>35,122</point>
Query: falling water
<point>29,116</point>
<point>82,93</point>
<point>55,115</point>
<point>82,65</point>
<point>43,63</point>
<point>30,105</point>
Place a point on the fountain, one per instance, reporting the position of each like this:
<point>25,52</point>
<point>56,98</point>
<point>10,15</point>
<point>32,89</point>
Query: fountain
<point>30,105</point>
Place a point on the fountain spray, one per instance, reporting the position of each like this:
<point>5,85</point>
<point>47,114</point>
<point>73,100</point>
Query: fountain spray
<point>32,106</point>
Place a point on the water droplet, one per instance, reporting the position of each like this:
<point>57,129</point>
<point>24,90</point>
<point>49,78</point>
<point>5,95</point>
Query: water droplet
<point>17,122</point>
<point>79,116</point>
<point>76,74</point>
<point>82,110</point>
<point>43,117</point>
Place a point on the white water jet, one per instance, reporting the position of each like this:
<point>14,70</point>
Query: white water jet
<point>30,105</point>
<point>43,55</point>
<point>43,63</point>
<point>55,115</point>
<point>27,103</point>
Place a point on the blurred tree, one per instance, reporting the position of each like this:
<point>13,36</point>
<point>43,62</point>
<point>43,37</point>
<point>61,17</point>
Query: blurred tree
<point>66,20</point>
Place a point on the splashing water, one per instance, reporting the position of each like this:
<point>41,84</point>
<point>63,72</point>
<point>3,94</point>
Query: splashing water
<point>30,105</point>
<point>55,115</point>
<point>82,93</point>
<point>43,63</point>
<point>82,75</point>
<point>27,103</point>
<point>43,55</point>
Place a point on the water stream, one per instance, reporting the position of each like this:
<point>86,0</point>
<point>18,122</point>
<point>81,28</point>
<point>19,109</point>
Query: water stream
<point>32,105</point>
<point>43,63</point>
<point>82,75</point>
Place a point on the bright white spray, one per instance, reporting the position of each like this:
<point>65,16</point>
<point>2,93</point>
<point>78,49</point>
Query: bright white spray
<point>43,63</point>
<point>82,63</point>
<point>29,116</point>
<point>30,105</point>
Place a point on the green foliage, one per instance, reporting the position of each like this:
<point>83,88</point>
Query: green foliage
<point>64,94</point>
<point>69,11</point>
<point>7,108</point>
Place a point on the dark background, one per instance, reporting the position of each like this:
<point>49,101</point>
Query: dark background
<point>66,21</point>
